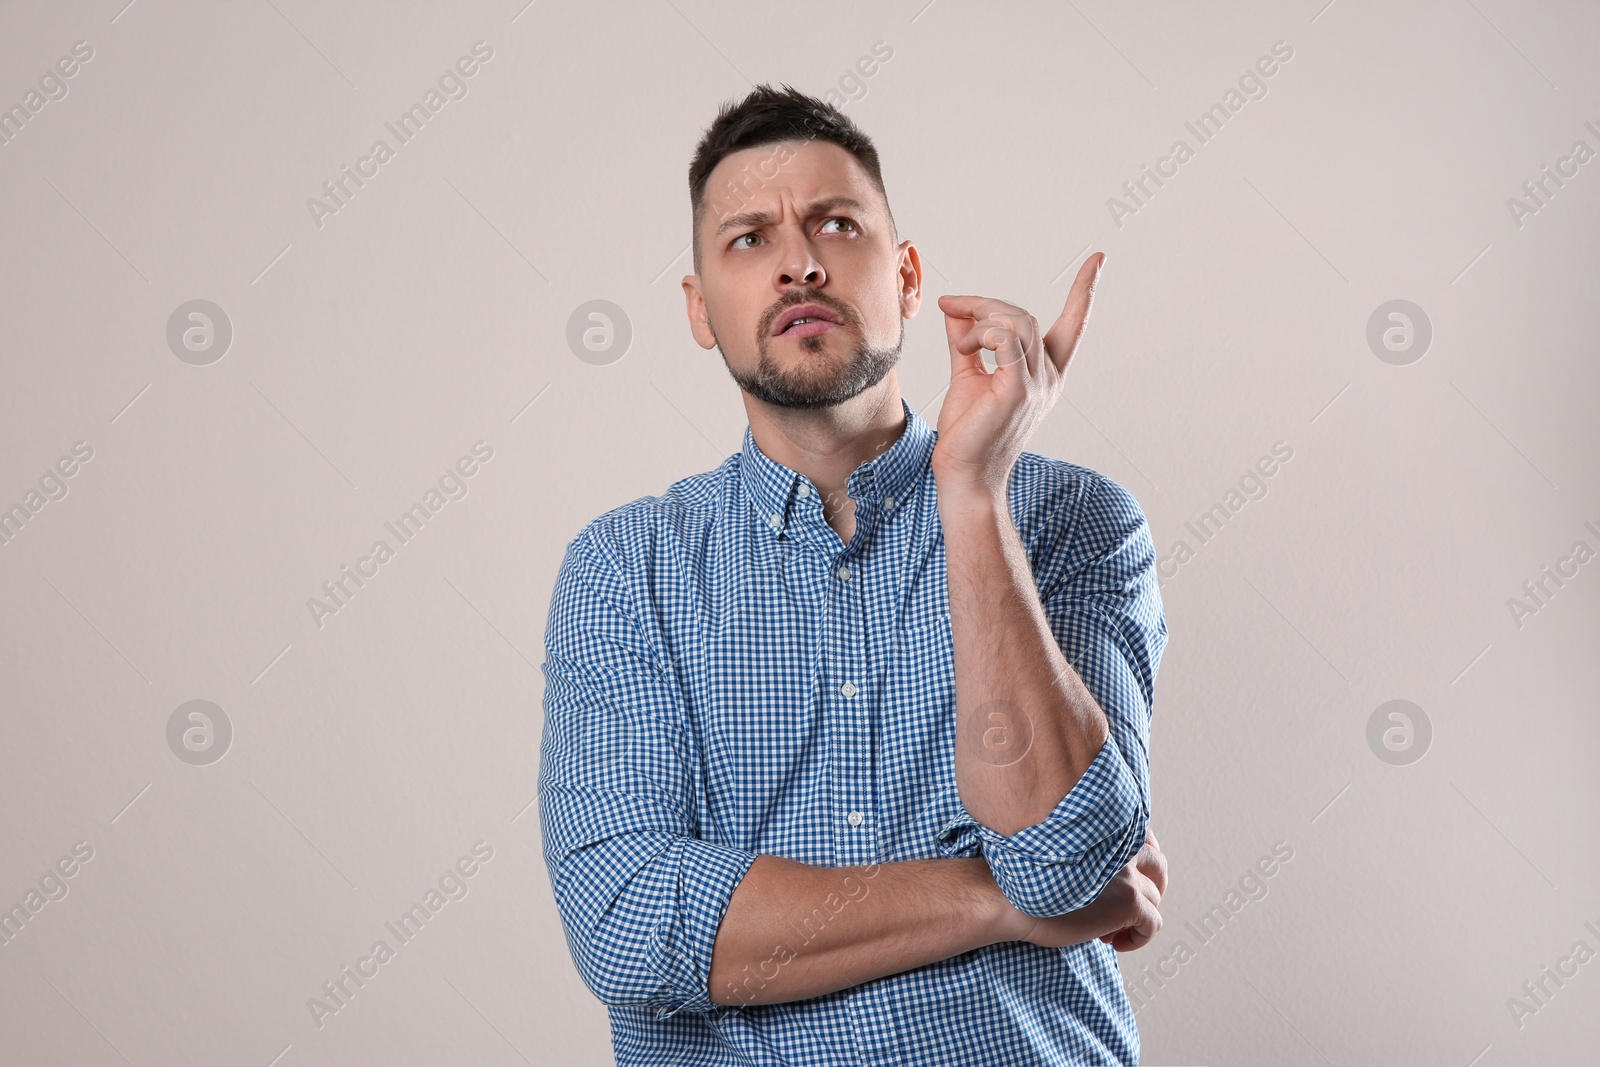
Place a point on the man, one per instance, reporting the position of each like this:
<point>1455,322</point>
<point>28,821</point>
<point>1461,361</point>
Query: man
<point>845,741</point>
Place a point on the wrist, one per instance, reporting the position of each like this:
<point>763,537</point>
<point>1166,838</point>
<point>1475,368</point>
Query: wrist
<point>963,498</point>
<point>992,918</point>
<point>969,483</point>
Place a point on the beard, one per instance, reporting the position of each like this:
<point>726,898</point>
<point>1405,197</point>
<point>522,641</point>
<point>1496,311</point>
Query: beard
<point>815,378</point>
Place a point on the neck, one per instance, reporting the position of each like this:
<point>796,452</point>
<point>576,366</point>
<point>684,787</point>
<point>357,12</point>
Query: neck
<point>828,444</point>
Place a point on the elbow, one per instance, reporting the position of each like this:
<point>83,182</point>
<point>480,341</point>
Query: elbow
<point>617,981</point>
<point>1119,849</point>
<point>1065,882</point>
<point>1133,838</point>
<point>639,915</point>
<point>1045,899</point>
<point>1047,888</point>
<point>605,957</point>
<point>622,967</point>
<point>607,977</point>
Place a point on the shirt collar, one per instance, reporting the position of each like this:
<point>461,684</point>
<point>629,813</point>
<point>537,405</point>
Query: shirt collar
<point>882,483</point>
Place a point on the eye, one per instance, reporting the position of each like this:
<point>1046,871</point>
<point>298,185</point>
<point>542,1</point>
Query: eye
<point>851,223</point>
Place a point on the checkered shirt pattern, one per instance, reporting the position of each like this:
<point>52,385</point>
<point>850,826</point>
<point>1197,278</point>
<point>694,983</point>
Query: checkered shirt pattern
<point>725,677</point>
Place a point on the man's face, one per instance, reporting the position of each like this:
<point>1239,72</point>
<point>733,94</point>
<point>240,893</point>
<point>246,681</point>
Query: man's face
<point>801,225</point>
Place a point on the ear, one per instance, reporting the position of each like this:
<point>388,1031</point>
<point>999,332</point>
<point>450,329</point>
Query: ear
<point>910,280</point>
<point>696,306</point>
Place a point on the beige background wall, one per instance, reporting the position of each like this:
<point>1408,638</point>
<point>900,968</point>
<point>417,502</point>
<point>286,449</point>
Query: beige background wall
<point>374,747</point>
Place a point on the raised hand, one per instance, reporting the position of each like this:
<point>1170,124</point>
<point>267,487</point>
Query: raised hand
<point>988,416</point>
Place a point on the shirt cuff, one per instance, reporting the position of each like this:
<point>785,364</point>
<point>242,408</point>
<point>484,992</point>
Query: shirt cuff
<point>1061,863</point>
<point>680,949</point>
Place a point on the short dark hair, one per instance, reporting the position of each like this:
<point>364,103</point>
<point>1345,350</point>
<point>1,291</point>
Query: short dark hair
<point>767,116</point>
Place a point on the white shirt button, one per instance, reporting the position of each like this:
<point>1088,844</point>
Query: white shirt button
<point>775,522</point>
<point>844,572</point>
<point>848,689</point>
<point>854,818</point>
<point>805,490</point>
<point>888,503</point>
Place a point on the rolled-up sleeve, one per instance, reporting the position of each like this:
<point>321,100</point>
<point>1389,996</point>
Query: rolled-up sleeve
<point>1100,596</point>
<point>639,893</point>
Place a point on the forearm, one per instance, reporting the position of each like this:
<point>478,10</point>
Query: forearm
<point>793,931</point>
<point>1026,726</point>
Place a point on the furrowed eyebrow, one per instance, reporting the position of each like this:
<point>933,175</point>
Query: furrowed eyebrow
<point>748,219</point>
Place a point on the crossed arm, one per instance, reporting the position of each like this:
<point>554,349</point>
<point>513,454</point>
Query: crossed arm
<point>1054,677</point>
<point>1052,842</point>
<point>656,916</point>
<point>900,916</point>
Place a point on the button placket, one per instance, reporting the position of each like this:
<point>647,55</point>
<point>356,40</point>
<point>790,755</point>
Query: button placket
<point>848,724</point>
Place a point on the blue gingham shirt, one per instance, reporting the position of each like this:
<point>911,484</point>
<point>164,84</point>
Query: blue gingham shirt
<point>725,677</point>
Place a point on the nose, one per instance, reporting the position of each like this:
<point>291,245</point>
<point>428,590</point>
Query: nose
<point>800,267</point>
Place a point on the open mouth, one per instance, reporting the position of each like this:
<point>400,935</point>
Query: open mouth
<point>808,328</point>
<point>807,320</point>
